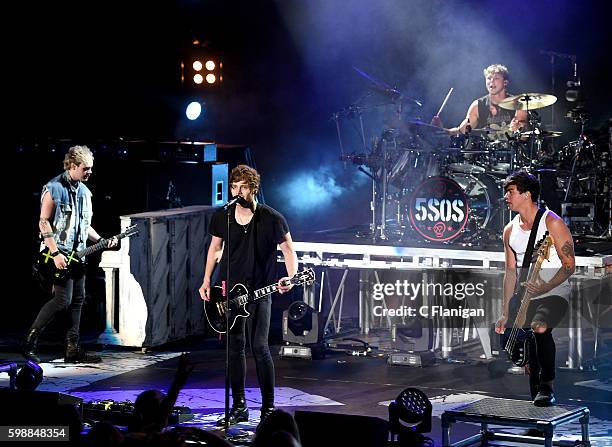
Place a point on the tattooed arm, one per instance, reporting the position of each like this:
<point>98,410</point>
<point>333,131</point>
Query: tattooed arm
<point>564,244</point>
<point>47,209</point>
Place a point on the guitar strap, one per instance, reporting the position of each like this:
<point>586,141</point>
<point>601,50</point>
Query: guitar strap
<point>527,259</point>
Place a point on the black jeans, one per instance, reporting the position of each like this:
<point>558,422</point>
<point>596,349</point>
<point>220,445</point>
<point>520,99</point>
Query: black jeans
<point>551,310</point>
<point>68,296</point>
<point>258,325</point>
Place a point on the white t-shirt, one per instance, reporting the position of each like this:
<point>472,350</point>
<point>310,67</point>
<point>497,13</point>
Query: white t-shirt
<point>518,242</point>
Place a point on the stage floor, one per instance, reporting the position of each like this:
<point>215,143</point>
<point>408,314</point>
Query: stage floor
<point>339,383</point>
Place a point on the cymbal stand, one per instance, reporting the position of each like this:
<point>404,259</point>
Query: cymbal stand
<point>581,140</point>
<point>535,123</point>
<point>384,180</point>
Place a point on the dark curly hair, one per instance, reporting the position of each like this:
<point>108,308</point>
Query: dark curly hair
<point>524,182</point>
<point>247,174</point>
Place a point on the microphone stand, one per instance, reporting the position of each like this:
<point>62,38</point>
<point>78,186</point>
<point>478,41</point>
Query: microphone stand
<point>226,290</point>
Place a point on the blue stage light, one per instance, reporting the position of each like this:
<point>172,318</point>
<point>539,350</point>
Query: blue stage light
<point>194,110</point>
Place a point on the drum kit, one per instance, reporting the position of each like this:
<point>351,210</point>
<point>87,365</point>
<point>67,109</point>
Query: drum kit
<point>428,186</point>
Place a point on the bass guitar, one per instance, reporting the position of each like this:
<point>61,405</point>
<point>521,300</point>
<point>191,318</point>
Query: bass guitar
<point>45,269</point>
<point>216,307</point>
<point>515,340</point>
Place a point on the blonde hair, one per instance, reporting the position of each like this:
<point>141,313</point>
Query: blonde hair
<point>496,68</point>
<point>78,155</point>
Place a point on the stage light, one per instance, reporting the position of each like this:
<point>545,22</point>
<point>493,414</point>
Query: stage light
<point>194,110</point>
<point>201,68</point>
<point>29,377</point>
<point>411,406</point>
<point>301,332</point>
<point>300,318</point>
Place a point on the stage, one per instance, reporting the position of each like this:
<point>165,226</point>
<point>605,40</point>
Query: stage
<point>339,384</point>
<point>354,381</point>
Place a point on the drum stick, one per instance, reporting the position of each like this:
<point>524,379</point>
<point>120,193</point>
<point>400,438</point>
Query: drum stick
<point>445,100</point>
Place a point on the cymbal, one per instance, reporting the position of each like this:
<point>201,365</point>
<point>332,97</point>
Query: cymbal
<point>394,95</point>
<point>425,128</point>
<point>527,101</point>
<point>541,134</point>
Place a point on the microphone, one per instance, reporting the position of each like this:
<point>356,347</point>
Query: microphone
<point>232,201</point>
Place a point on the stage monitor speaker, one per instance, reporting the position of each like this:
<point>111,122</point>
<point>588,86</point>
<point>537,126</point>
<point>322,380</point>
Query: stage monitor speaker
<point>20,407</point>
<point>319,429</point>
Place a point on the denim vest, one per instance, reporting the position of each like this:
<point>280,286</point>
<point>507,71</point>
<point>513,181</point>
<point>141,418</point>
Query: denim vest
<point>67,216</point>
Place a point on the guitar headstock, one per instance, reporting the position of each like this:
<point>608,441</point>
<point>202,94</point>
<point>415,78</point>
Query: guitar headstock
<point>129,231</point>
<point>543,247</point>
<point>306,276</point>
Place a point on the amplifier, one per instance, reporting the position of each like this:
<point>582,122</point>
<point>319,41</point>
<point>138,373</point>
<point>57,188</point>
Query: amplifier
<point>120,413</point>
<point>578,212</point>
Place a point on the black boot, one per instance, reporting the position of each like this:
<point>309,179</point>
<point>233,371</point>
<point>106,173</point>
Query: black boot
<point>76,354</point>
<point>30,345</point>
<point>266,411</point>
<point>238,413</point>
<point>545,397</point>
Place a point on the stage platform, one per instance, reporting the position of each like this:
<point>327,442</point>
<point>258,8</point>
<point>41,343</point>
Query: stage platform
<point>514,413</point>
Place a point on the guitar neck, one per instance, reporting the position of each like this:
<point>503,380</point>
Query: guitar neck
<point>265,291</point>
<point>92,248</point>
<point>522,312</point>
<point>100,245</point>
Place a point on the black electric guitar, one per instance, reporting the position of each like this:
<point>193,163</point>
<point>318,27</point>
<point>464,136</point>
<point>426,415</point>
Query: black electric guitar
<point>239,297</point>
<point>45,269</point>
<point>515,340</point>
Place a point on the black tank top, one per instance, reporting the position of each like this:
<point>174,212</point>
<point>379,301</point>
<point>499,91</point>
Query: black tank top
<point>485,118</point>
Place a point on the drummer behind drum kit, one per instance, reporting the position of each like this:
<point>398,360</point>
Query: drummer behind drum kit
<point>430,187</point>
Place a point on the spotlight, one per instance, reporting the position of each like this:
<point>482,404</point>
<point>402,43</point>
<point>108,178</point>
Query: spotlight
<point>201,68</point>
<point>194,110</point>
<point>300,318</point>
<point>29,377</point>
<point>411,406</point>
<point>301,327</point>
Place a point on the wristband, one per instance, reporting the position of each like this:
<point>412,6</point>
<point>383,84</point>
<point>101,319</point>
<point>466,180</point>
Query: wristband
<point>55,253</point>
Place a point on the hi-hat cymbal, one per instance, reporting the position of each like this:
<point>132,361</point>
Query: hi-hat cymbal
<point>541,134</point>
<point>422,127</point>
<point>527,101</point>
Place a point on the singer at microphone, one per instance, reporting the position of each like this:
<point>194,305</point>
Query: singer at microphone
<point>232,201</point>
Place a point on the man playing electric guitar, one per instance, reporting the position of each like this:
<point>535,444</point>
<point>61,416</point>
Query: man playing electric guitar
<point>255,231</point>
<point>65,226</point>
<point>550,292</point>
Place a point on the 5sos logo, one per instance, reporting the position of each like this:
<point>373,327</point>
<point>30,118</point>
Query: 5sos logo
<point>439,209</point>
<point>443,209</point>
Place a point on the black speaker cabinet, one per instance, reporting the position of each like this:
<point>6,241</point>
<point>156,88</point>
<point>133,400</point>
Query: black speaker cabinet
<point>19,407</point>
<point>319,429</point>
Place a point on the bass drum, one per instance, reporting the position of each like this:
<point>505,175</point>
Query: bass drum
<point>446,208</point>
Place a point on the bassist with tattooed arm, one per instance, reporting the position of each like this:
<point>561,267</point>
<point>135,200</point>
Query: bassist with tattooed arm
<point>549,293</point>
